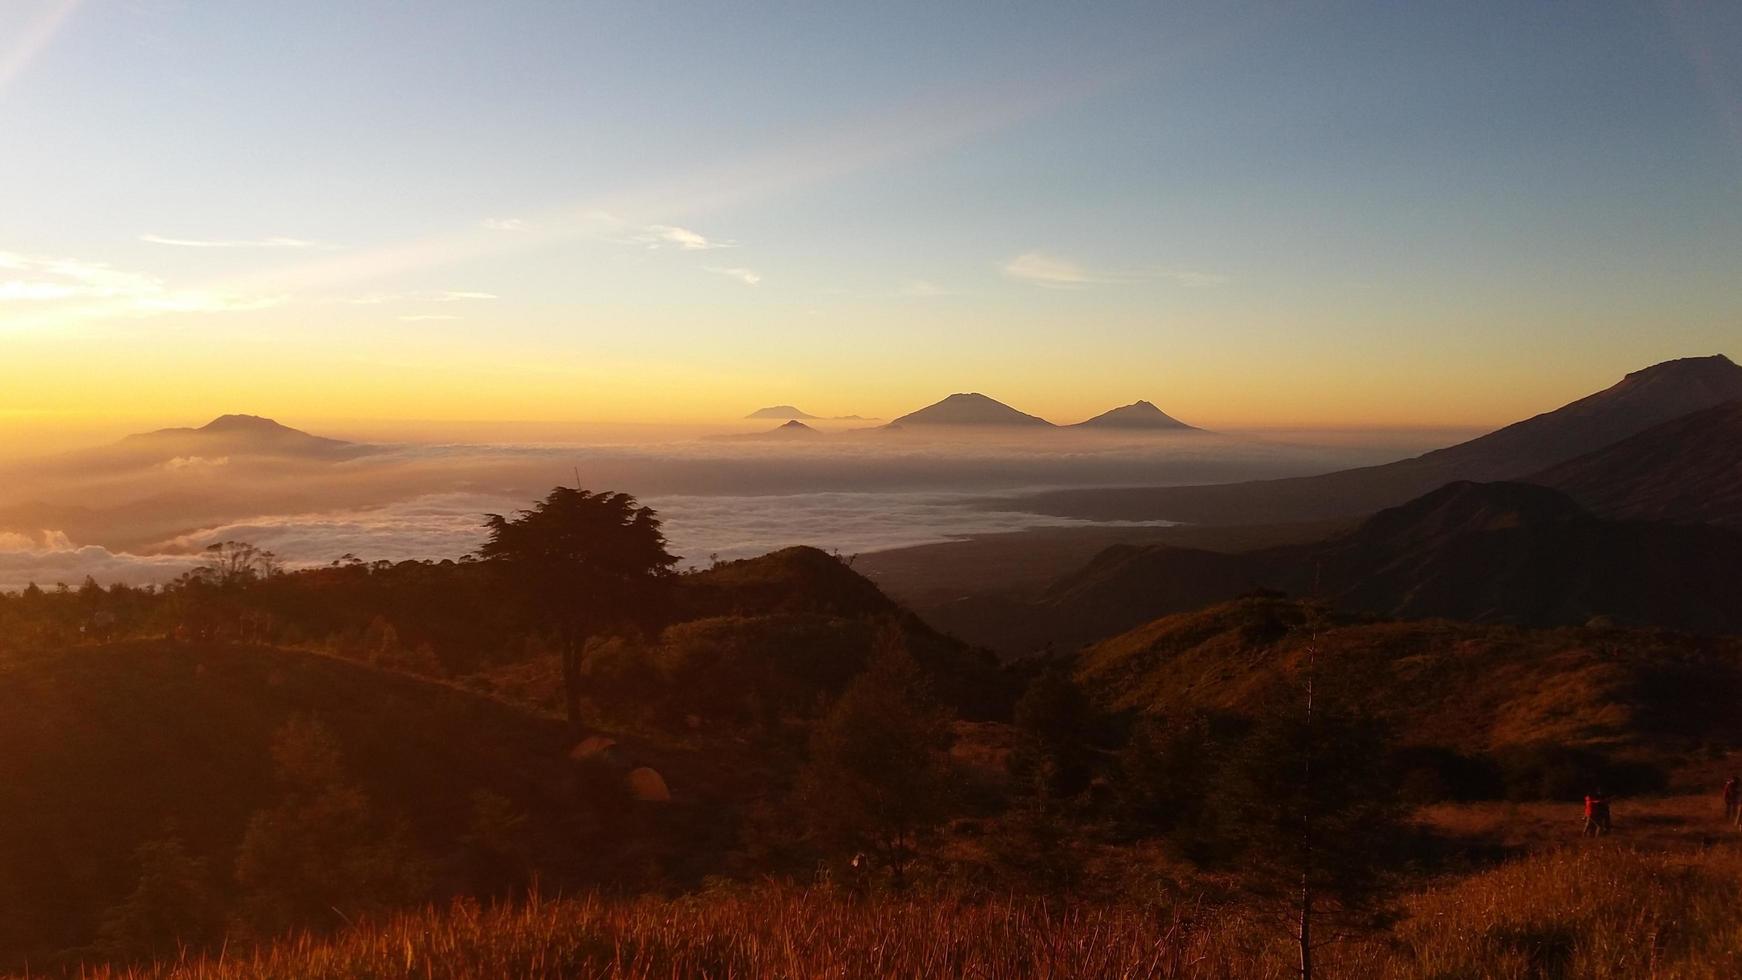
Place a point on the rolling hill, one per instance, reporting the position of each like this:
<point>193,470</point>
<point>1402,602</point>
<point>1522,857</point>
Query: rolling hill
<point>1476,688</point>
<point>114,746</point>
<point>1494,553</point>
<point>805,583</point>
<point>1641,400</point>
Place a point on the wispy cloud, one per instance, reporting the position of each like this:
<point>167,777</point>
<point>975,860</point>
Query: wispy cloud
<point>1049,270</point>
<point>748,277</point>
<point>1054,272</point>
<point>940,119</point>
<point>275,242</point>
<point>42,281</point>
<point>922,288</point>
<point>684,238</point>
<point>440,296</point>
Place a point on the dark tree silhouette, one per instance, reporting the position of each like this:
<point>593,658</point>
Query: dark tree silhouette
<point>324,853</point>
<point>1314,820</point>
<point>878,778</point>
<point>584,562</point>
<point>234,563</point>
<point>1054,724</point>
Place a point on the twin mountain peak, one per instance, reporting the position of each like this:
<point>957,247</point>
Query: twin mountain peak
<point>973,409</point>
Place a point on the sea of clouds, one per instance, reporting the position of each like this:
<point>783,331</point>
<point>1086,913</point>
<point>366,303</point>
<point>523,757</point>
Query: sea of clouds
<point>700,529</point>
<point>145,521</point>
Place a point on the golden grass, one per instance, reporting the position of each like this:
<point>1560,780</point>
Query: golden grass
<point>1599,911</point>
<point>1602,909</point>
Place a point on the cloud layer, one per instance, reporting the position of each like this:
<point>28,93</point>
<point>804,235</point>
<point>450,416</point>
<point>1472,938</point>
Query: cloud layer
<point>437,526</point>
<point>50,558</point>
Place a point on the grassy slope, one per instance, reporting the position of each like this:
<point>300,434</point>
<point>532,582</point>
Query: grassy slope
<point>1453,684</point>
<point>103,748</point>
<point>113,746</point>
<point>1601,910</point>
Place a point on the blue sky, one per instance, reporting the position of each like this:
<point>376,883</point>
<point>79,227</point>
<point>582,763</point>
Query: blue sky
<point>1337,213</point>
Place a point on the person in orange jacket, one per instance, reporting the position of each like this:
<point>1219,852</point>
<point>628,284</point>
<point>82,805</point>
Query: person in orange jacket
<point>1596,814</point>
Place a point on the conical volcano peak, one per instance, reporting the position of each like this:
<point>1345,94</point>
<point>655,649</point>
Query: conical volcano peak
<point>1139,414</point>
<point>245,423</point>
<point>970,408</point>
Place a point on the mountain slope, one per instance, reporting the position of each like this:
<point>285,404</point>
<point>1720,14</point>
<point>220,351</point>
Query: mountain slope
<point>132,742</point>
<point>1137,415</point>
<point>970,409</point>
<point>1518,553</point>
<point>1638,402</point>
<point>1476,688</point>
<point>1496,552</point>
<point>805,581</point>
<point>1687,469</point>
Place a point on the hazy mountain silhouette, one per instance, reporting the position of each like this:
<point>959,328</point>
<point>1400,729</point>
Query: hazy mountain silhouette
<point>1529,555</point>
<point>238,435</point>
<point>1484,552</point>
<point>790,412</point>
<point>1137,415</point>
<point>793,429</point>
<point>780,412</point>
<point>1639,401</point>
<point>970,409</point>
<point>1687,469</point>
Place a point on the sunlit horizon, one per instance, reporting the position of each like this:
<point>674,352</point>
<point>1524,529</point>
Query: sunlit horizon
<point>224,210</point>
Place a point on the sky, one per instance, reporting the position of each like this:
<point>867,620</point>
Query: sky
<point>1276,214</point>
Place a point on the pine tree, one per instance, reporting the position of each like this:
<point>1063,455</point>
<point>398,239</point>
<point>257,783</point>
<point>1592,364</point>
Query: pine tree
<point>877,782</point>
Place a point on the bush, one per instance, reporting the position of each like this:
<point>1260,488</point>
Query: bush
<point>1561,772</point>
<point>1434,774</point>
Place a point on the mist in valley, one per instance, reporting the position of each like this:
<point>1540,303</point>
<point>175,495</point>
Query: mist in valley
<point>140,509</point>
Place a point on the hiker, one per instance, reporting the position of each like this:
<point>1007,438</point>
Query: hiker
<point>1596,814</point>
<point>1732,797</point>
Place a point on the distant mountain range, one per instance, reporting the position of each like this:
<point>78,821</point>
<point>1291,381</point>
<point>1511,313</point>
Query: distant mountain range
<point>1512,553</point>
<point>1640,401</point>
<point>974,410</point>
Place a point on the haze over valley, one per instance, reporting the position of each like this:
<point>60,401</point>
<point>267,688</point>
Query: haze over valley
<point>148,503</point>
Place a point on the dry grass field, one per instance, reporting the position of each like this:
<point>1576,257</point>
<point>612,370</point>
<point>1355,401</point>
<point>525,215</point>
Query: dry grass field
<point>1662,898</point>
